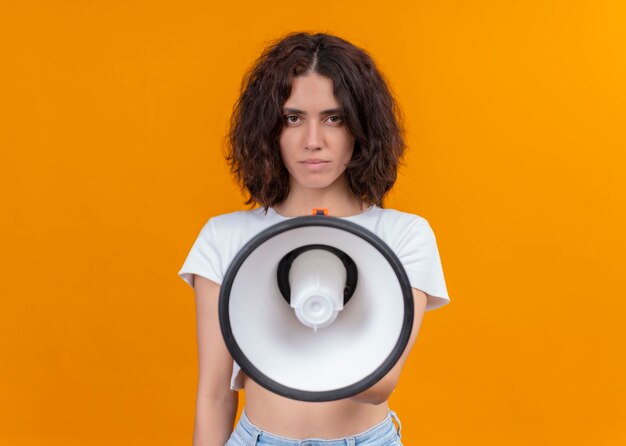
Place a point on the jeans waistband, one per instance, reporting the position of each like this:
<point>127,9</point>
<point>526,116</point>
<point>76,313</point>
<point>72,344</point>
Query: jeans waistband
<point>383,432</point>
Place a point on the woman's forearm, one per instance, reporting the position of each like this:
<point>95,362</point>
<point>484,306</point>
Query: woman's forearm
<point>214,420</point>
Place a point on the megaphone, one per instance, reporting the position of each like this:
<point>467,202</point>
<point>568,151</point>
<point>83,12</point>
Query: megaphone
<point>316,308</point>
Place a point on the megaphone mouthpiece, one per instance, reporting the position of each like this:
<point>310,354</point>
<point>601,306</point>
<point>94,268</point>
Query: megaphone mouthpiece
<point>316,310</point>
<point>317,279</point>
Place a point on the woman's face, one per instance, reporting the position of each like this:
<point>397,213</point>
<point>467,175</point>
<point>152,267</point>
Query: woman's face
<point>315,144</point>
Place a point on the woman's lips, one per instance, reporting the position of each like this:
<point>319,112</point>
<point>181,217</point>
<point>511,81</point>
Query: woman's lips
<point>314,163</point>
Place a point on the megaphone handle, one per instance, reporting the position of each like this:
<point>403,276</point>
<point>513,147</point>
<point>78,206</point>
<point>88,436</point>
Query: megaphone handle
<point>319,211</point>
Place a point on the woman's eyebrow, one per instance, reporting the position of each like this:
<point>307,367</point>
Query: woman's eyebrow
<point>301,112</point>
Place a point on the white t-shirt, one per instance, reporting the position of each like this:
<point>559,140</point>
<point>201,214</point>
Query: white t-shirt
<point>409,236</point>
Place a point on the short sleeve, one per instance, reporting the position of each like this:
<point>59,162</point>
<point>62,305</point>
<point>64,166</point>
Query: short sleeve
<point>204,257</point>
<point>419,254</point>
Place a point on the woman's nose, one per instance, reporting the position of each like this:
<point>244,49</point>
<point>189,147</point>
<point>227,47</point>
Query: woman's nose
<point>313,136</point>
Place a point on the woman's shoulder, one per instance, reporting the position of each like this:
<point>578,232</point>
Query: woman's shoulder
<point>400,215</point>
<point>240,224</point>
<point>241,217</point>
<point>397,217</point>
<point>394,226</point>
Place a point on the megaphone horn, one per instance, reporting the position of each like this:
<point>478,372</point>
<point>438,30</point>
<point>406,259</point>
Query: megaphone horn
<point>316,308</point>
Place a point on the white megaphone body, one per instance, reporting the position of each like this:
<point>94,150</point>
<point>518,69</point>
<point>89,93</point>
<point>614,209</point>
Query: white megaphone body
<point>316,308</point>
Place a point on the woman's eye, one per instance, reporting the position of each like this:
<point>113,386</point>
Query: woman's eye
<point>292,119</point>
<point>335,119</point>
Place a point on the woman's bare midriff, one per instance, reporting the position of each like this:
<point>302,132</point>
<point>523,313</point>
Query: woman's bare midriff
<point>299,420</point>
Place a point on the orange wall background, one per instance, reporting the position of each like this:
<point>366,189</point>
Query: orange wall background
<point>112,117</point>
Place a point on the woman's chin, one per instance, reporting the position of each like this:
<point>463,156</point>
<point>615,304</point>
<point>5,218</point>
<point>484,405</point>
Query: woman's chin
<point>316,182</point>
<point>317,186</point>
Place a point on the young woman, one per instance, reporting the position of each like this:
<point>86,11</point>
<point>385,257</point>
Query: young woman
<point>315,127</point>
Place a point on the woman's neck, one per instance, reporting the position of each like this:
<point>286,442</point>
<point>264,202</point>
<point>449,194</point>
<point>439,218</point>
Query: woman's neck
<point>301,202</point>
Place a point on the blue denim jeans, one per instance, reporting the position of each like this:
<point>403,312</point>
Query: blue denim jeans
<point>383,434</point>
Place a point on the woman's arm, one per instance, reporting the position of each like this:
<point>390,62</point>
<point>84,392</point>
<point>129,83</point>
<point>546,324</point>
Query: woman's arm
<point>216,404</point>
<point>381,391</point>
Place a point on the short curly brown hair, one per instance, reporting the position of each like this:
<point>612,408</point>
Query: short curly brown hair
<point>370,111</point>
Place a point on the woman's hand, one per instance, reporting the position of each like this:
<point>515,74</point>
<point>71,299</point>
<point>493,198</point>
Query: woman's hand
<point>382,390</point>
